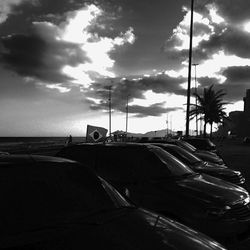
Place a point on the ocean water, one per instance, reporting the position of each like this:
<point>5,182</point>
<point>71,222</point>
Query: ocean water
<point>30,144</point>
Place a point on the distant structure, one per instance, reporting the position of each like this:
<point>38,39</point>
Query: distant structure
<point>239,123</point>
<point>247,103</point>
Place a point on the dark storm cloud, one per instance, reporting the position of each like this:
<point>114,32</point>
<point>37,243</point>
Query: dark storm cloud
<point>36,57</point>
<point>134,89</point>
<point>233,11</point>
<point>232,41</point>
<point>235,85</point>
<point>238,74</point>
<point>226,36</point>
<point>155,109</point>
<point>207,81</point>
<point>177,57</point>
<point>238,79</point>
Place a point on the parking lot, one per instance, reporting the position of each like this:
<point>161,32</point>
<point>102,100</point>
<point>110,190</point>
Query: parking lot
<point>237,156</point>
<point>234,152</point>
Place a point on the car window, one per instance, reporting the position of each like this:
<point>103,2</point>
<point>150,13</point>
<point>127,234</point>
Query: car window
<point>183,155</point>
<point>201,143</point>
<point>82,153</point>
<point>151,166</point>
<point>186,145</point>
<point>175,166</point>
<point>198,143</point>
<point>116,163</point>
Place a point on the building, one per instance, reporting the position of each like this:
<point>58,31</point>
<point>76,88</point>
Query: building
<point>247,104</point>
<point>239,121</point>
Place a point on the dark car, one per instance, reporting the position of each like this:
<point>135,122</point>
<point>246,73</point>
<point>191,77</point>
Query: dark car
<point>205,155</point>
<point>246,140</point>
<point>50,203</point>
<point>202,143</point>
<point>156,180</point>
<point>200,166</point>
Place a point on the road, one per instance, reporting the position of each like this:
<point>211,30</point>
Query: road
<point>237,156</point>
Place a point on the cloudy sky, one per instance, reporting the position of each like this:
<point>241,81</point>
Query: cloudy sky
<point>58,59</point>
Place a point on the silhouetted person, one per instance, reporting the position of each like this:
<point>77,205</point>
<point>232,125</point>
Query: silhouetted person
<point>69,141</point>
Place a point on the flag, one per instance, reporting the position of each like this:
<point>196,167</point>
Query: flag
<point>95,134</point>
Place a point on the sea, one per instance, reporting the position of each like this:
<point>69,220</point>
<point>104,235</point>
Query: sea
<point>34,144</point>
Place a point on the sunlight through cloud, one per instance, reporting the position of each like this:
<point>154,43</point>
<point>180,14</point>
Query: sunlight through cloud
<point>96,49</point>
<point>58,87</point>
<point>247,26</point>
<point>215,17</point>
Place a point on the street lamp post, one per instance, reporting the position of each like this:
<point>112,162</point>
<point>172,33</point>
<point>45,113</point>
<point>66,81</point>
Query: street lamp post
<point>189,68</point>
<point>110,110</point>
<point>196,115</point>
<point>127,117</point>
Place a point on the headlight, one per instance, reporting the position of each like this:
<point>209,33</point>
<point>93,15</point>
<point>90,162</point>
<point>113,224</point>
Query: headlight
<point>247,200</point>
<point>215,211</point>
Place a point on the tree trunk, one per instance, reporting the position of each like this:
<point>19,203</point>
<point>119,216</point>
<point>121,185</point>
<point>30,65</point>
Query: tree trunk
<point>211,130</point>
<point>204,129</point>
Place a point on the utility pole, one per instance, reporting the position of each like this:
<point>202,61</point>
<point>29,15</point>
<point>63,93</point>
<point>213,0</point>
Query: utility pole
<point>167,124</point>
<point>196,115</point>
<point>189,68</point>
<point>171,128</point>
<point>127,117</point>
<point>109,110</point>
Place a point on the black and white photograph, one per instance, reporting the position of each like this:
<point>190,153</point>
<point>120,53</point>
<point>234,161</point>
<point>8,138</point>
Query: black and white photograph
<point>125,124</point>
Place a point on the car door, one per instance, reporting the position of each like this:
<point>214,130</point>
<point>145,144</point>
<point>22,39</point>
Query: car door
<point>155,188</point>
<point>113,163</point>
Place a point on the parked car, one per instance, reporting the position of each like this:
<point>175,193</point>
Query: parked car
<point>200,166</point>
<point>246,140</point>
<point>157,180</point>
<point>202,143</point>
<point>203,154</point>
<point>52,203</point>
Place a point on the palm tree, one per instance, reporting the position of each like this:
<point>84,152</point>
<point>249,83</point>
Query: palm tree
<point>210,107</point>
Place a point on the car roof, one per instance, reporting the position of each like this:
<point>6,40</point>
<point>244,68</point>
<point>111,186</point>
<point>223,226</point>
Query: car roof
<point>14,159</point>
<point>196,139</point>
<point>165,145</point>
<point>113,144</point>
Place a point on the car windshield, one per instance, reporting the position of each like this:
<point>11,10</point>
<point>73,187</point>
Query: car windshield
<point>211,143</point>
<point>115,196</point>
<point>176,167</point>
<point>187,146</point>
<point>201,143</point>
<point>184,155</point>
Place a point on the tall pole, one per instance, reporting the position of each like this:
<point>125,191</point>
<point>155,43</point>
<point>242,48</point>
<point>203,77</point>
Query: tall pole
<point>196,115</point>
<point>189,68</point>
<point>167,125</point>
<point>127,117</point>
<point>110,111</point>
<point>171,128</point>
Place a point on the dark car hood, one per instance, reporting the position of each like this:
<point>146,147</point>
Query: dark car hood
<point>176,235</point>
<point>207,156</point>
<point>206,152</point>
<point>132,230</point>
<point>212,190</point>
<point>152,231</point>
<point>216,169</point>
